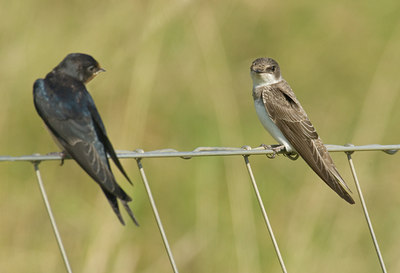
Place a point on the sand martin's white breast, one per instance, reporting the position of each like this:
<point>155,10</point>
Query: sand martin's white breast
<point>270,126</point>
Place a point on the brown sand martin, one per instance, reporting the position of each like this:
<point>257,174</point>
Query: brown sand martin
<point>283,117</point>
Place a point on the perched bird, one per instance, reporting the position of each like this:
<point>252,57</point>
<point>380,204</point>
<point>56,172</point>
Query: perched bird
<point>283,117</point>
<point>69,112</point>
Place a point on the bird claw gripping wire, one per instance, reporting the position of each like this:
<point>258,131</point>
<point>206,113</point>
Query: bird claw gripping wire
<point>276,149</point>
<point>62,154</point>
<point>292,156</point>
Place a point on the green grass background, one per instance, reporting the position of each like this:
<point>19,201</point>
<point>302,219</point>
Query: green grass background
<point>178,77</point>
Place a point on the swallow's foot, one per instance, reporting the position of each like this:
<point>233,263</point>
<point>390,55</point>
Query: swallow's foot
<point>275,149</point>
<point>62,154</point>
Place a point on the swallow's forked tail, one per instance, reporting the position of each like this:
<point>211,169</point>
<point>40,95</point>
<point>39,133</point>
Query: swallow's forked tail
<point>113,200</point>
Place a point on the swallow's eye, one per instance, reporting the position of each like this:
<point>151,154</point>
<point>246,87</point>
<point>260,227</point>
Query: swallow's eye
<point>272,68</point>
<point>92,68</point>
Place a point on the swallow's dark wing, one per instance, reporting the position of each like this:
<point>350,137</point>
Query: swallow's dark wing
<point>102,135</point>
<point>73,126</point>
<point>286,112</point>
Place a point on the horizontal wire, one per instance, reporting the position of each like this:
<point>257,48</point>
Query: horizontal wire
<point>201,151</point>
<point>206,151</point>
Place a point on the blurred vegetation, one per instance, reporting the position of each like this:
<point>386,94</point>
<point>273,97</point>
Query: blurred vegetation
<point>178,77</point>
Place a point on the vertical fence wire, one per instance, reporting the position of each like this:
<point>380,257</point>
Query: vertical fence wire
<point>264,213</point>
<point>364,207</point>
<point>52,219</point>
<point>157,216</point>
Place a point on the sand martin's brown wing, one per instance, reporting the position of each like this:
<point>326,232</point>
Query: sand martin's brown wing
<point>286,112</point>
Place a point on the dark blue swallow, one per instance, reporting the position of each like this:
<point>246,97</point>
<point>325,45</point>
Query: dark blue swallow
<point>68,110</point>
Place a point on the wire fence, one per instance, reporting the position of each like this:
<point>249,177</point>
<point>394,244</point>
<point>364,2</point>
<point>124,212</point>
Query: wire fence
<point>245,151</point>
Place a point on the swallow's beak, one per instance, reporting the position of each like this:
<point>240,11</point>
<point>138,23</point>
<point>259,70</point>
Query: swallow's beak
<point>100,69</point>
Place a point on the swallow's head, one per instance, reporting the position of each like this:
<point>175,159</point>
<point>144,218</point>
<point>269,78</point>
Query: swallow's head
<point>81,67</point>
<point>265,71</point>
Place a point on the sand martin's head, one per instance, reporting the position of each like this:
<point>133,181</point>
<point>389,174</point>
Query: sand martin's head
<point>265,71</point>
